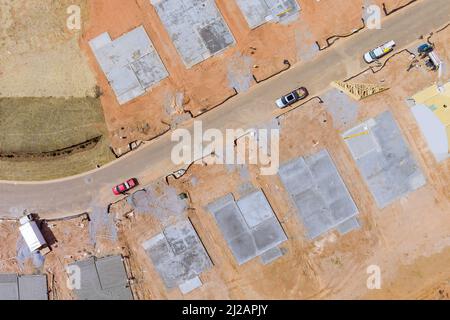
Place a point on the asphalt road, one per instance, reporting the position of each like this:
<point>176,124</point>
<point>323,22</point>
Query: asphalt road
<point>93,189</point>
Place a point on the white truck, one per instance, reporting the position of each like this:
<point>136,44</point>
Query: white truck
<point>379,52</point>
<point>32,235</point>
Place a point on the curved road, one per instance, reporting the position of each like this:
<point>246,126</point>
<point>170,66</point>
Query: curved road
<point>93,189</point>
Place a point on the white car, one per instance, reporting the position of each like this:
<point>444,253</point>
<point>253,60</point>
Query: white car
<point>379,52</point>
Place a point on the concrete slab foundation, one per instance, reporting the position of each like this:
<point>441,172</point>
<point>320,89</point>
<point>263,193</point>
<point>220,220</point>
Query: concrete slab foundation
<point>102,279</point>
<point>190,285</point>
<point>178,255</point>
<point>258,12</point>
<point>249,225</point>
<point>384,159</point>
<point>319,193</point>
<point>348,226</point>
<point>271,255</point>
<point>196,27</point>
<point>130,63</point>
<point>23,287</point>
<point>9,289</point>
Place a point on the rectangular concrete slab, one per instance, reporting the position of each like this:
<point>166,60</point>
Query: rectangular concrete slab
<point>24,287</point>
<point>249,225</point>
<point>100,41</point>
<point>271,255</point>
<point>9,289</point>
<point>231,220</point>
<point>318,191</point>
<point>190,285</point>
<point>268,234</point>
<point>255,209</point>
<point>243,247</point>
<point>365,143</point>
<point>384,159</point>
<point>89,281</point>
<point>349,225</point>
<point>110,272</point>
<point>178,254</point>
<point>196,28</point>
<point>295,171</point>
<point>258,12</point>
<point>125,83</point>
<point>33,287</point>
<point>130,63</point>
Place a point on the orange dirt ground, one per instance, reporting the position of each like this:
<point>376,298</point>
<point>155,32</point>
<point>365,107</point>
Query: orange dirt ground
<point>206,84</point>
<point>70,241</point>
<point>409,239</point>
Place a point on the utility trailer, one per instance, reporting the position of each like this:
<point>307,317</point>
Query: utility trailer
<point>32,235</point>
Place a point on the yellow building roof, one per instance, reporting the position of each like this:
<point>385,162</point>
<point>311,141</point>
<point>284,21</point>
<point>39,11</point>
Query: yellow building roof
<point>425,94</point>
<point>431,95</point>
<point>443,113</point>
<point>439,102</point>
<point>448,136</point>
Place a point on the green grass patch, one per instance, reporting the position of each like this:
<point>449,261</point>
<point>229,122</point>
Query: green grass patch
<point>43,125</point>
<point>59,167</point>
<point>32,125</point>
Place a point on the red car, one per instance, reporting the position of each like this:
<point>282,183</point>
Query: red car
<point>124,187</point>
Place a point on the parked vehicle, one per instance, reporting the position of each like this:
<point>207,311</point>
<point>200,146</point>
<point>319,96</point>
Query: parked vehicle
<point>435,60</point>
<point>32,235</point>
<point>126,186</point>
<point>425,48</point>
<point>379,52</point>
<point>292,97</point>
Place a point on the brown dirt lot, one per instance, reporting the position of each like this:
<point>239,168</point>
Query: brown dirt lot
<point>47,93</point>
<point>259,52</point>
<point>44,59</point>
<point>74,242</point>
<point>409,239</point>
<point>39,56</point>
<point>392,4</point>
